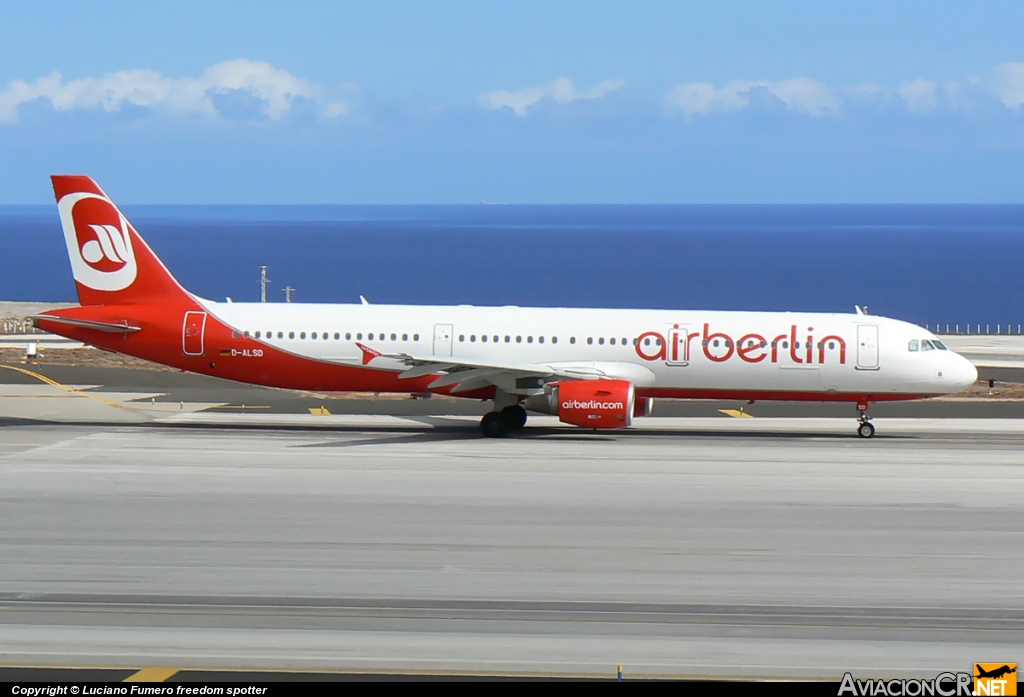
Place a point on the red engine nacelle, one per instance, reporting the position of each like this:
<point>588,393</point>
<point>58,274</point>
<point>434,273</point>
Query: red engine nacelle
<point>596,403</point>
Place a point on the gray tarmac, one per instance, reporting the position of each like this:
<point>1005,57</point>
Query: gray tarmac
<point>692,546</point>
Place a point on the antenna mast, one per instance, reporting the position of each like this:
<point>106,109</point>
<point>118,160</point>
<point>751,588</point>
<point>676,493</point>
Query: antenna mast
<point>263,284</point>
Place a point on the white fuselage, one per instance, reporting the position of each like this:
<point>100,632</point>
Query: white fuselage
<point>658,350</point>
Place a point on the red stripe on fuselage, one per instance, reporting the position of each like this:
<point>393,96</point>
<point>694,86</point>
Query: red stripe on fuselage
<point>159,340</point>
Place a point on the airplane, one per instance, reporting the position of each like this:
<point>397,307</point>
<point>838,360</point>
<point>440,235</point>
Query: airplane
<point>995,673</point>
<point>593,368</point>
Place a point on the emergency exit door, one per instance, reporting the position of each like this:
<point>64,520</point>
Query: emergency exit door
<point>867,347</point>
<point>192,333</point>
<point>442,339</point>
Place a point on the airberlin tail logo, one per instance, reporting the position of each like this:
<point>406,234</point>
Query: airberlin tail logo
<point>98,240</point>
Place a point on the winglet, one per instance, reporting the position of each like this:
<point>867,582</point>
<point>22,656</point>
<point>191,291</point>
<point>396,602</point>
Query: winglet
<point>363,300</point>
<point>368,353</point>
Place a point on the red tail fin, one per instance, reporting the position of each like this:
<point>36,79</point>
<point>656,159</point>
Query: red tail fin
<point>111,262</point>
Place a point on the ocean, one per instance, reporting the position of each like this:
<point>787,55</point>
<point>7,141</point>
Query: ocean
<point>928,264</point>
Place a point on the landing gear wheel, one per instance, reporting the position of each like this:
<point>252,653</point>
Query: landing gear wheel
<point>865,430</point>
<point>514,417</point>
<point>492,425</point>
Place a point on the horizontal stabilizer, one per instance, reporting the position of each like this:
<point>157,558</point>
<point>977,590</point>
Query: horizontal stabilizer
<point>87,324</point>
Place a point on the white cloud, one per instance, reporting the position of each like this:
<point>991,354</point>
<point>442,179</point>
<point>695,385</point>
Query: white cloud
<point>800,94</point>
<point>1008,84</point>
<point>920,95</point>
<point>561,90</point>
<point>274,88</point>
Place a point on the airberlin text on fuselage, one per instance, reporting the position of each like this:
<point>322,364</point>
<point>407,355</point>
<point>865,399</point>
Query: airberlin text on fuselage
<point>791,347</point>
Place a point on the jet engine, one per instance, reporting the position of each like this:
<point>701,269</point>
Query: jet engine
<point>643,406</point>
<point>588,403</point>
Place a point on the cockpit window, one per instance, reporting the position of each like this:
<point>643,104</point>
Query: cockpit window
<point>927,346</point>
<point>939,345</point>
<point>913,345</point>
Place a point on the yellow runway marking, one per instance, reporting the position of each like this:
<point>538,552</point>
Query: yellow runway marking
<point>152,675</point>
<point>736,413</point>
<point>319,411</point>
<point>72,390</point>
<point>96,398</point>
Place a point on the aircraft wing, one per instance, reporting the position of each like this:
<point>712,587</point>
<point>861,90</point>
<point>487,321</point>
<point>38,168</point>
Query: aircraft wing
<point>469,375</point>
<point>472,374</point>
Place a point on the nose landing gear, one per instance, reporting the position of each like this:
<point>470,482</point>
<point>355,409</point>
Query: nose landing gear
<point>864,427</point>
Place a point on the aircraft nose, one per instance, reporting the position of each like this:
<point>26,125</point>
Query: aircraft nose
<point>962,373</point>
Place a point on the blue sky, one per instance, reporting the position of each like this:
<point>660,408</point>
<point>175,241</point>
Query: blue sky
<point>518,102</point>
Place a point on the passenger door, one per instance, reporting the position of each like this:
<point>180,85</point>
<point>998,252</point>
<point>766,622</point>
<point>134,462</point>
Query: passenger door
<point>867,347</point>
<point>443,339</point>
<point>192,333</point>
<point>678,350</point>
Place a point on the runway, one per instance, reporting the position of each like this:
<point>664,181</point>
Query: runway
<point>687,547</point>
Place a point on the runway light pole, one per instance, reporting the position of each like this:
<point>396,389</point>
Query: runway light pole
<point>289,292</point>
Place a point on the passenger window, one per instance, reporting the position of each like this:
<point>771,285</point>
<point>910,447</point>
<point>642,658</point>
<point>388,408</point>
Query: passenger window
<point>280,335</point>
<point>623,342</point>
<point>337,336</point>
<point>601,341</point>
<point>507,338</point>
<point>657,342</point>
<point>369,337</point>
<point>462,337</point>
<point>913,345</point>
<point>405,337</point>
<point>831,345</point>
<point>327,336</point>
<point>472,337</point>
<point>302,335</point>
<point>927,346</point>
<point>529,339</point>
<point>612,341</point>
<point>540,339</point>
<point>554,340</point>
<point>234,334</point>
<point>496,338</point>
<point>715,342</point>
<point>415,337</point>
<point>359,336</point>
<point>291,335</point>
<point>312,337</point>
<point>590,340</point>
<point>257,335</point>
<point>572,340</point>
<point>519,339</point>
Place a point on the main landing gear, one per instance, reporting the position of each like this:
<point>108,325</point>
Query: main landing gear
<point>864,427</point>
<point>497,424</point>
<point>507,416</point>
